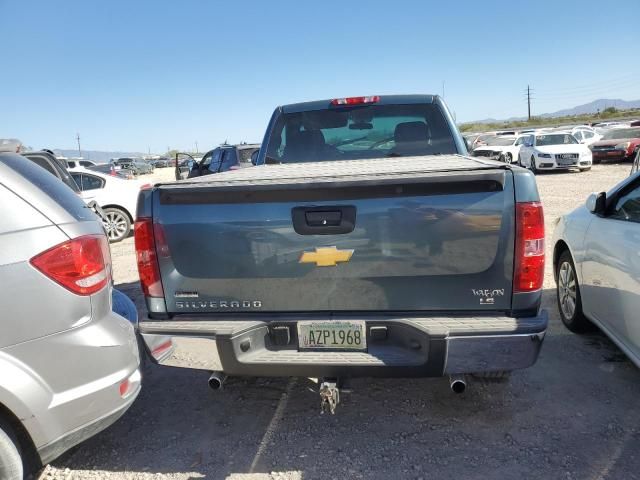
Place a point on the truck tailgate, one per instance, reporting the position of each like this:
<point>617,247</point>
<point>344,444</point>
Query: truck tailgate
<point>407,234</point>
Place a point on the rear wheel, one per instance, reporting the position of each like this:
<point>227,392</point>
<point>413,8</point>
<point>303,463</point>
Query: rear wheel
<point>117,224</point>
<point>10,461</point>
<point>568,296</point>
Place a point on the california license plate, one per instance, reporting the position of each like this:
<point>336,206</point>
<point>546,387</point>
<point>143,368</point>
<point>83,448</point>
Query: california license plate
<point>332,335</point>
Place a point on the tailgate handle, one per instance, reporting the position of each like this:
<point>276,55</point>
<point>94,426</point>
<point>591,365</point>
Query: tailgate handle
<point>325,220</point>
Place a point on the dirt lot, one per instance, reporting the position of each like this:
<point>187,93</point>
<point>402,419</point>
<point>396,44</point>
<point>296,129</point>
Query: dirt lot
<point>574,415</point>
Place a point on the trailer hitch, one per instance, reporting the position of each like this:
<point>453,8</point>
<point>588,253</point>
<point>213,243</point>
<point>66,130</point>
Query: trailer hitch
<point>329,396</point>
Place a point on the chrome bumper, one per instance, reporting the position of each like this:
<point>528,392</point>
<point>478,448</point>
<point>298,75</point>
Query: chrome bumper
<point>413,347</point>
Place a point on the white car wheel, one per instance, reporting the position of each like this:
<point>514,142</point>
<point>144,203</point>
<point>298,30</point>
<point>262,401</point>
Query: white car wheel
<point>10,461</point>
<point>117,224</point>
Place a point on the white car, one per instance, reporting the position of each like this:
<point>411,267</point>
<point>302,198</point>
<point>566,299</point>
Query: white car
<point>585,135</point>
<point>76,163</point>
<point>116,196</point>
<point>553,151</point>
<point>595,262</point>
<point>503,148</point>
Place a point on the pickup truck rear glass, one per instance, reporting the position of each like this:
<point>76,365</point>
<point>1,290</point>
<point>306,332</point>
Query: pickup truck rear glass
<point>364,131</point>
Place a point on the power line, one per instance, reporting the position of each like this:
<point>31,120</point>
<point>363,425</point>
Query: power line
<point>600,84</point>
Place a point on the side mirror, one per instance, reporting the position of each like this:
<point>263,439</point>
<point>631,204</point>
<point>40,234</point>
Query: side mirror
<point>528,144</point>
<point>254,157</point>
<point>596,203</point>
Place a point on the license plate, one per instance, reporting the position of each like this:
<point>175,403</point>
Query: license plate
<point>566,161</point>
<point>334,335</point>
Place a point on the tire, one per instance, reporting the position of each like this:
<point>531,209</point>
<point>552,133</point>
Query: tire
<point>533,167</point>
<point>519,162</point>
<point>508,158</point>
<point>117,224</point>
<point>10,462</point>
<point>570,304</point>
<point>596,162</point>
<point>501,376</point>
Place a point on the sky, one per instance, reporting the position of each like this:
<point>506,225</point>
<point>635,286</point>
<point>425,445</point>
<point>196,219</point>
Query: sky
<point>147,75</point>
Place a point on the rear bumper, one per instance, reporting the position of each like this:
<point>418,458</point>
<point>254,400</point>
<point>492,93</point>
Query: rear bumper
<point>612,155</point>
<point>408,347</point>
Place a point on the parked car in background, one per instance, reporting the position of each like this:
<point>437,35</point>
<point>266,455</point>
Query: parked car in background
<point>70,366</point>
<point>585,135</point>
<point>54,166</point>
<point>553,151</point>
<point>616,144</point>
<point>73,163</point>
<point>160,162</point>
<point>224,158</point>
<point>597,267</point>
<point>12,145</point>
<point>116,196</point>
<point>502,148</point>
<point>110,169</point>
<point>479,140</point>
<point>137,167</point>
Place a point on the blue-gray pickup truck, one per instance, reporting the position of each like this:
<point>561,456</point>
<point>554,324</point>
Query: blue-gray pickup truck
<point>364,243</point>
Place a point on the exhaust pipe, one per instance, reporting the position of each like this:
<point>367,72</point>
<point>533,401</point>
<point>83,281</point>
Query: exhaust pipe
<point>216,380</point>
<point>457,383</point>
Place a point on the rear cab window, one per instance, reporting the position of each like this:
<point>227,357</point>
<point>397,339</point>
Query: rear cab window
<point>362,131</point>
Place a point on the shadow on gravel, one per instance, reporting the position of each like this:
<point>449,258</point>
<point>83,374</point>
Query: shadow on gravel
<point>572,415</point>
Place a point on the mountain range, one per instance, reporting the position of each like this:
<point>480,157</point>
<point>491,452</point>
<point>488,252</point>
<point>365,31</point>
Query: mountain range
<point>587,108</point>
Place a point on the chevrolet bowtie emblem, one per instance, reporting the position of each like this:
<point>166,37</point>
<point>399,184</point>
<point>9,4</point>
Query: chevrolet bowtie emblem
<point>326,256</point>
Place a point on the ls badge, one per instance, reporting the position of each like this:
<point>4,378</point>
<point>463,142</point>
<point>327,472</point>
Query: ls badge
<point>326,256</point>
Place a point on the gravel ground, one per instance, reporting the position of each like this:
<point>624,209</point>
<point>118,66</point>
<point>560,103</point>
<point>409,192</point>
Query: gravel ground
<point>574,415</point>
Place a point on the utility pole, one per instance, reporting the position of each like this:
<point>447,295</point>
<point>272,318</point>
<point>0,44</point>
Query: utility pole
<point>78,139</point>
<point>528,103</point>
<point>197,147</point>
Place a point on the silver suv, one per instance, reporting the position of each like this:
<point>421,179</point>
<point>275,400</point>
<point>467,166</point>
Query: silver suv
<point>70,366</point>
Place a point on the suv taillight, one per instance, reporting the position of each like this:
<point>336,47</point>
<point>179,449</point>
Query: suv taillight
<point>148,268</point>
<point>529,265</point>
<point>81,265</point>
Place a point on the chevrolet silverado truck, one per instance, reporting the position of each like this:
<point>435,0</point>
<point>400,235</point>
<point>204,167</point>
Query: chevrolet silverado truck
<point>365,243</point>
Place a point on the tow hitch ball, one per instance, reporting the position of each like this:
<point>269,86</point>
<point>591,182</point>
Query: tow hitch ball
<point>329,396</point>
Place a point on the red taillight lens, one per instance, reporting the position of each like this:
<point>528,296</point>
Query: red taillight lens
<point>81,265</point>
<point>161,349</point>
<point>355,100</point>
<point>148,268</point>
<point>529,267</point>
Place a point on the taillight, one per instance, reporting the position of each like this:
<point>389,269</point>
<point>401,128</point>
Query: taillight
<point>355,100</point>
<point>529,265</point>
<point>81,265</point>
<point>148,268</point>
<point>161,349</point>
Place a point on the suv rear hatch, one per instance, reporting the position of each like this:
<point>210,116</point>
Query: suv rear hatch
<point>397,235</point>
